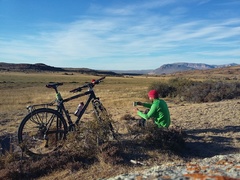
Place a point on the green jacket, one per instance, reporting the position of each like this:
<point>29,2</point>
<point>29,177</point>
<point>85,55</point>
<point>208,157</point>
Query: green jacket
<point>158,111</point>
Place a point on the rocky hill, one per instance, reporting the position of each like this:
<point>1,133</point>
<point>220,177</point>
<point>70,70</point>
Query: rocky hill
<point>179,67</point>
<point>173,68</point>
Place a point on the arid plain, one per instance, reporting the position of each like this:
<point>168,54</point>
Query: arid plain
<point>212,128</point>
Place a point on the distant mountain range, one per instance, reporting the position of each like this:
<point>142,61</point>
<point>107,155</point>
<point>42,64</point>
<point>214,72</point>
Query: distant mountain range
<point>179,67</point>
<point>164,69</point>
<point>175,67</point>
<point>40,67</point>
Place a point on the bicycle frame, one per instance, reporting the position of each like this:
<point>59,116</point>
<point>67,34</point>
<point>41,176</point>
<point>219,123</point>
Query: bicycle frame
<point>60,101</point>
<point>61,108</point>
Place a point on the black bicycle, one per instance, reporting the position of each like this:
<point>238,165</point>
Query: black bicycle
<point>45,129</point>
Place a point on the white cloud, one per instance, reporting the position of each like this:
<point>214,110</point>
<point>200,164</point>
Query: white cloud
<point>120,41</point>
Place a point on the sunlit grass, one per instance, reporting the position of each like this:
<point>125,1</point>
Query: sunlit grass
<point>19,90</point>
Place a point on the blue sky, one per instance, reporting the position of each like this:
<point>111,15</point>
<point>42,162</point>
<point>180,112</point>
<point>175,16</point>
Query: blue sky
<point>119,34</point>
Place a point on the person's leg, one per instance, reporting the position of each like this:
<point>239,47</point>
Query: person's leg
<point>142,121</point>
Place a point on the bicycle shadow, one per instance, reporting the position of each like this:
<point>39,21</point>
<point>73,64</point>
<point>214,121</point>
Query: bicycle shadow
<point>205,143</point>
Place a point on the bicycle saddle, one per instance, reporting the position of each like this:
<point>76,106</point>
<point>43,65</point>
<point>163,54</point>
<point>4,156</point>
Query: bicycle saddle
<point>53,85</point>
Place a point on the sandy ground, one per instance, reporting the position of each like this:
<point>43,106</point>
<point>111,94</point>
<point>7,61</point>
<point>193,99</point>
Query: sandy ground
<point>212,128</point>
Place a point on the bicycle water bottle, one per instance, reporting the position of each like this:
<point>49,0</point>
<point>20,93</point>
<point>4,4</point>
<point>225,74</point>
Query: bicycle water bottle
<point>79,109</point>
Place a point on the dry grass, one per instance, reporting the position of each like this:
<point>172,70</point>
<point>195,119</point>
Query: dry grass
<point>18,90</point>
<point>212,128</point>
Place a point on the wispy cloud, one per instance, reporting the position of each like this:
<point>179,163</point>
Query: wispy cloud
<point>121,36</point>
<point>140,7</point>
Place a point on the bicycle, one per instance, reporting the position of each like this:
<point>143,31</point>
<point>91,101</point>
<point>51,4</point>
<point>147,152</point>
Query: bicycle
<point>43,129</point>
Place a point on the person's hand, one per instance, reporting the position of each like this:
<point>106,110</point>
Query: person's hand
<point>136,103</point>
<point>139,103</point>
<point>135,110</point>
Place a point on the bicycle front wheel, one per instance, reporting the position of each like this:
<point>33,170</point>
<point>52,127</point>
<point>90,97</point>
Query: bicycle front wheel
<point>104,120</point>
<point>42,131</point>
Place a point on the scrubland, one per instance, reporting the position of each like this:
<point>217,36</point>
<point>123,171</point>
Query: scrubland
<point>208,128</point>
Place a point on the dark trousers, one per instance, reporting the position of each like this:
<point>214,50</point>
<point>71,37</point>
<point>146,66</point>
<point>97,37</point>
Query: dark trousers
<point>142,122</point>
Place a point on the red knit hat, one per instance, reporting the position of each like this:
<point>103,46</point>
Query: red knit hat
<point>153,94</point>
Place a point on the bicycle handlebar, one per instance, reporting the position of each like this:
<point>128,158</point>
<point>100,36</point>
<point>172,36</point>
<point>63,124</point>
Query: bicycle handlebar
<point>88,85</point>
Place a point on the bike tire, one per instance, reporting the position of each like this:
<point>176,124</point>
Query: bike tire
<point>42,131</point>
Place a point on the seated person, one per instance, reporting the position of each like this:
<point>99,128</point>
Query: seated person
<point>158,111</point>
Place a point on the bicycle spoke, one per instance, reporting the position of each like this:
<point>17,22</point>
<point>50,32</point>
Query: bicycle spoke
<point>44,135</point>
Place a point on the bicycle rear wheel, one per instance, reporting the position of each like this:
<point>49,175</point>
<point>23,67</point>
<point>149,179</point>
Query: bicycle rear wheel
<point>42,131</point>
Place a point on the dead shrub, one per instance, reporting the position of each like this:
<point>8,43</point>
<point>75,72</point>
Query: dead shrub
<point>196,91</point>
<point>89,145</point>
<point>127,117</point>
<point>110,153</point>
<point>162,138</point>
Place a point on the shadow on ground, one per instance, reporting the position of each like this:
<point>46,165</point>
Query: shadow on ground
<point>204,143</point>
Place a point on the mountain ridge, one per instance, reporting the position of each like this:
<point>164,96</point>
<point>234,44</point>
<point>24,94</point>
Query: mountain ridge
<point>184,66</point>
<point>40,67</point>
<point>164,69</point>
